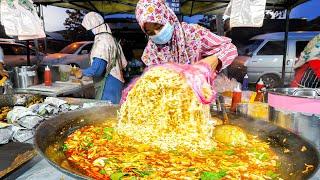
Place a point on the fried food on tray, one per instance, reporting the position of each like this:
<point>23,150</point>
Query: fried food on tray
<point>36,99</point>
<point>3,112</point>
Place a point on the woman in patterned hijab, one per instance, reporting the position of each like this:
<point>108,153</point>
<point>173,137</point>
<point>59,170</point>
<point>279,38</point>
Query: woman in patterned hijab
<point>175,42</point>
<point>308,66</point>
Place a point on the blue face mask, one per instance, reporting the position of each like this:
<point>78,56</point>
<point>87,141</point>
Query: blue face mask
<point>164,35</point>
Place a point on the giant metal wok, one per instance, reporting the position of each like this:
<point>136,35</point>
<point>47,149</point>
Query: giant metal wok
<point>293,162</point>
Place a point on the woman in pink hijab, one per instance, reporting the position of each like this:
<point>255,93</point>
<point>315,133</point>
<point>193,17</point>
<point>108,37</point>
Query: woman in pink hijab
<point>175,42</point>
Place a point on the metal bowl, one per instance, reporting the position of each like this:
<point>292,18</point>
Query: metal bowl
<point>56,129</point>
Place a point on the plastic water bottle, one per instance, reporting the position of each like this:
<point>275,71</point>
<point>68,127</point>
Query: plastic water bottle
<point>245,83</point>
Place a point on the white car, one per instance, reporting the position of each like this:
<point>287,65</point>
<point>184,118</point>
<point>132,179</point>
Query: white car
<point>76,54</point>
<point>15,54</point>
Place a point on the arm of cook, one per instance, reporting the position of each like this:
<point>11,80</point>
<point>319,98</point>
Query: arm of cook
<point>218,51</point>
<point>96,69</point>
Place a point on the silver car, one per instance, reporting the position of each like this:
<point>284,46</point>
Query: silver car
<point>15,54</point>
<point>76,54</point>
<point>264,58</point>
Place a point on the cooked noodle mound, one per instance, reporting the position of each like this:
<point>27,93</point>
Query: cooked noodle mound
<point>162,110</point>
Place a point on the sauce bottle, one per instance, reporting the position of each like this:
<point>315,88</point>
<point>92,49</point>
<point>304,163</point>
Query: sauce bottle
<point>47,77</point>
<point>259,90</point>
<point>259,85</point>
<point>236,98</point>
<point>245,83</point>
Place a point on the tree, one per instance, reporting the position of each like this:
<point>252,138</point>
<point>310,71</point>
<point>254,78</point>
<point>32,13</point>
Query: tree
<point>75,31</point>
<point>275,14</point>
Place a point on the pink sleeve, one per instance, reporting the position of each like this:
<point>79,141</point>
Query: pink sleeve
<point>220,46</point>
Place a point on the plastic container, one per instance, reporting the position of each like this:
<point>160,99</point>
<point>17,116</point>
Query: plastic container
<point>245,83</point>
<point>64,71</point>
<point>259,86</point>
<point>236,98</point>
<point>47,77</point>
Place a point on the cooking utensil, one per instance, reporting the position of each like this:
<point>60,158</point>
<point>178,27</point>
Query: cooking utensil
<point>299,116</point>
<point>25,76</point>
<point>57,128</point>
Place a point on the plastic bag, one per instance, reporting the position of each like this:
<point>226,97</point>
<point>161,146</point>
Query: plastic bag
<point>22,134</point>
<point>224,84</point>
<point>20,18</point>
<point>23,117</point>
<point>6,133</point>
<point>246,13</point>
<point>198,76</point>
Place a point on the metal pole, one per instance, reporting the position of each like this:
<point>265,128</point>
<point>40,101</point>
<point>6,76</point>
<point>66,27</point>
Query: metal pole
<point>28,53</point>
<point>220,25</point>
<point>286,33</point>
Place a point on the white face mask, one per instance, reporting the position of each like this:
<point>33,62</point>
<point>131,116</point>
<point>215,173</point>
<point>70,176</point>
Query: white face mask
<point>164,36</point>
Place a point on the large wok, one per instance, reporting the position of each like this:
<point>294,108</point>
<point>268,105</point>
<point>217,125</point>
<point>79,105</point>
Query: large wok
<point>58,128</point>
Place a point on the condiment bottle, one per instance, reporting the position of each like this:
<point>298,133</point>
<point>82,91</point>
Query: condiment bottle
<point>245,83</point>
<point>259,85</point>
<point>259,88</point>
<point>47,77</point>
<point>236,98</point>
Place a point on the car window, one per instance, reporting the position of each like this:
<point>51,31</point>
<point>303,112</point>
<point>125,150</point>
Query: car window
<point>272,48</point>
<point>253,45</point>
<point>300,45</point>
<point>88,47</point>
<point>71,48</point>
<point>19,50</point>
<point>7,50</point>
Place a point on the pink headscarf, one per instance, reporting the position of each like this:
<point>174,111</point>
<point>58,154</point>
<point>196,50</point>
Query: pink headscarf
<point>190,42</point>
<point>156,11</point>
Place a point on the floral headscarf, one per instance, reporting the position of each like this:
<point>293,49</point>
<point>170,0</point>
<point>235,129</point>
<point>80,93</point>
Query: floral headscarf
<point>310,52</point>
<point>189,43</point>
<point>156,11</point>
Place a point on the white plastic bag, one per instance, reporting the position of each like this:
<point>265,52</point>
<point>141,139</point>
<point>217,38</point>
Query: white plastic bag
<point>21,21</point>
<point>246,13</point>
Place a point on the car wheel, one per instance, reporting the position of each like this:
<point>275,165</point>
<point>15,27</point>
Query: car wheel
<point>271,80</point>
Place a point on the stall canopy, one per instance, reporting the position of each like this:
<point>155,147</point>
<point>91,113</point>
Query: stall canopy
<point>188,7</point>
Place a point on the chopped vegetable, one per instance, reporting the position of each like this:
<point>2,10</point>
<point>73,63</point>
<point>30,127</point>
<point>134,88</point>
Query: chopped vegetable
<point>107,133</point>
<point>102,171</point>
<point>64,147</point>
<point>117,176</point>
<point>213,175</point>
<point>229,152</point>
<point>272,174</point>
<point>191,169</point>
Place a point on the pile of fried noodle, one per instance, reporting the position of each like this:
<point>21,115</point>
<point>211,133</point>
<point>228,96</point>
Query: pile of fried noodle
<point>162,110</point>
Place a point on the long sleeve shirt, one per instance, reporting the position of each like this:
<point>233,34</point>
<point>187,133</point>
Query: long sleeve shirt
<point>96,69</point>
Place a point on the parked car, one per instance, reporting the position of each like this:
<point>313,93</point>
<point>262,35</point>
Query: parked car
<point>263,58</point>
<point>15,54</point>
<point>77,54</point>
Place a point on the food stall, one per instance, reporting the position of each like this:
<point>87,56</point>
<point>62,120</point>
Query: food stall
<point>53,118</point>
